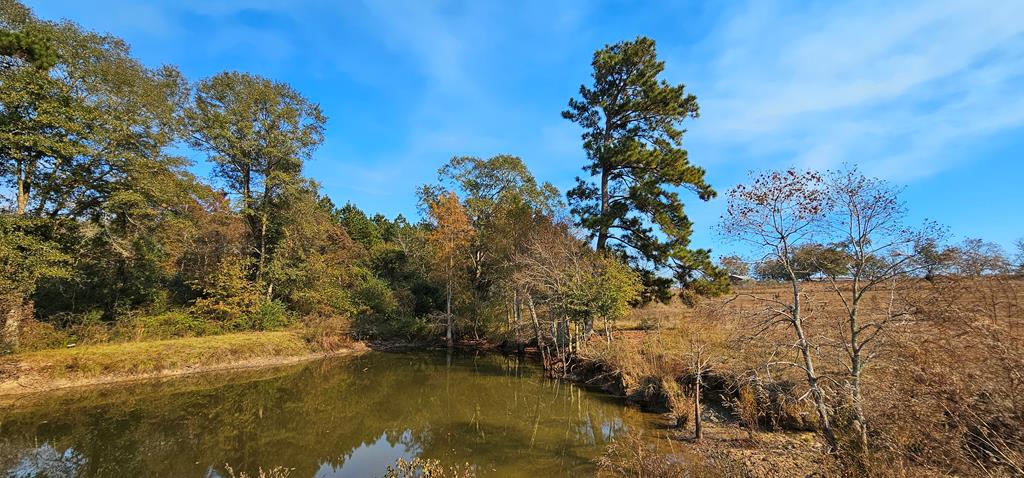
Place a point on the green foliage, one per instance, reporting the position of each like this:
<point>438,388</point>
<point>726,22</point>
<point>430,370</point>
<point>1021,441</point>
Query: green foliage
<point>235,303</point>
<point>807,261</point>
<point>615,286</point>
<point>633,139</point>
<point>375,296</point>
<point>487,183</point>
<point>368,232</point>
<point>271,315</point>
<point>28,46</point>
<point>600,288</point>
<point>27,255</point>
<point>41,336</point>
<point>112,238</point>
<point>258,131</point>
<point>173,324</point>
<point>822,260</point>
<point>313,263</point>
<point>230,298</point>
<point>502,200</point>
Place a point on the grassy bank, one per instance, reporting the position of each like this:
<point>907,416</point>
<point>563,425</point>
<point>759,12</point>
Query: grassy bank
<point>95,364</point>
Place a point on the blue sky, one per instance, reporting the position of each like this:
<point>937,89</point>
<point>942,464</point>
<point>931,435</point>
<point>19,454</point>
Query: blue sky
<point>929,94</point>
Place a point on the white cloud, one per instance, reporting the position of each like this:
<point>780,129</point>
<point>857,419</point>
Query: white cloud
<point>890,85</point>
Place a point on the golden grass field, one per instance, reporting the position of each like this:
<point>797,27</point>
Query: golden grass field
<point>943,392</point>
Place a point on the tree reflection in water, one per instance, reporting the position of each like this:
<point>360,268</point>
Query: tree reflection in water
<point>334,417</point>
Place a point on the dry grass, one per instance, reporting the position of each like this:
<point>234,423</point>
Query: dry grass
<point>945,394</point>
<point>56,368</point>
<point>277,472</point>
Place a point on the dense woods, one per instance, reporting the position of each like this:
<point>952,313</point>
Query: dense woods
<point>900,348</point>
<point>110,236</point>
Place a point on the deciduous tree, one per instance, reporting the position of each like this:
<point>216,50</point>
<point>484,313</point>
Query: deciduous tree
<point>878,251</point>
<point>735,265</point>
<point>449,240</point>
<point>977,257</point>
<point>26,256</point>
<point>775,214</point>
<point>258,133</point>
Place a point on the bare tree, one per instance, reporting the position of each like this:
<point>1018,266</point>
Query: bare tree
<point>779,211</point>
<point>976,257</point>
<point>699,357</point>
<point>540,272</point>
<point>866,220</point>
<point>1018,257</point>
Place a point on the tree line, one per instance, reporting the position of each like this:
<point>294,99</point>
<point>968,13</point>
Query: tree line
<point>971,257</point>
<point>107,234</point>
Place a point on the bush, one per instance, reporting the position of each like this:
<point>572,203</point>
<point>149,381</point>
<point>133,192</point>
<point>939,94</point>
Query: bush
<point>404,327</point>
<point>168,325</point>
<point>271,315</point>
<point>37,335</point>
<point>326,334</point>
<point>81,329</point>
<point>322,302</point>
<point>376,297</point>
<point>230,298</point>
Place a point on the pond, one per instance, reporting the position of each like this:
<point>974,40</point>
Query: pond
<point>343,416</point>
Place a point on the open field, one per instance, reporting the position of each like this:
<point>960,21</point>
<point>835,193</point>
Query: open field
<point>942,392</point>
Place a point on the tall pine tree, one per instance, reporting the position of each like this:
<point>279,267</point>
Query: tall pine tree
<point>633,139</point>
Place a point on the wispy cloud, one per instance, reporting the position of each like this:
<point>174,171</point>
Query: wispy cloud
<point>888,85</point>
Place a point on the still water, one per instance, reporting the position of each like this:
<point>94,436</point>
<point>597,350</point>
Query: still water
<point>346,416</point>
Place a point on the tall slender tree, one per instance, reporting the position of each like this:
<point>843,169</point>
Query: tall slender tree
<point>449,241</point>
<point>258,133</point>
<point>633,138</point>
<point>881,256</point>
<point>777,213</point>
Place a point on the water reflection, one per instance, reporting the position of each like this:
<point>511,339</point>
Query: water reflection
<point>337,417</point>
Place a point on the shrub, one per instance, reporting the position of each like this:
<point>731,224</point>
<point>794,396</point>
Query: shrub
<point>272,315</point>
<point>168,325</point>
<point>229,297</point>
<point>37,335</point>
<point>326,334</point>
<point>322,302</point>
<point>376,297</point>
<point>745,408</point>
<point>409,328</point>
